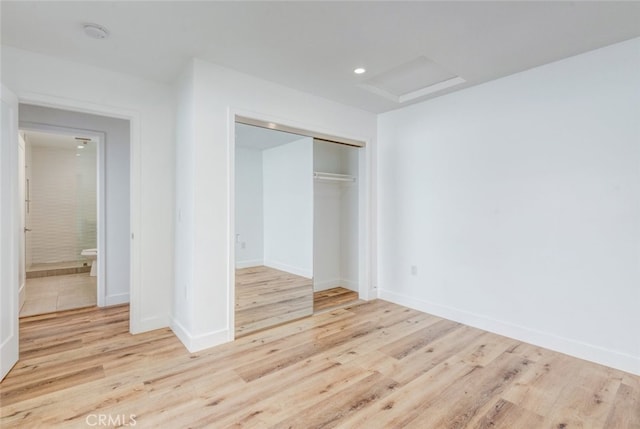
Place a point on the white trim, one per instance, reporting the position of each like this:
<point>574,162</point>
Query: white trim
<point>365,237</point>
<point>22,198</point>
<point>568,346</point>
<point>135,139</point>
<point>180,332</point>
<point>153,323</point>
<point>22,296</point>
<point>350,284</point>
<point>326,284</point>
<point>195,343</point>
<point>249,263</point>
<point>117,299</point>
<point>101,213</point>
<point>10,235</point>
<point>289,268</point>
<point>231,225</point>
<point>329,284</point>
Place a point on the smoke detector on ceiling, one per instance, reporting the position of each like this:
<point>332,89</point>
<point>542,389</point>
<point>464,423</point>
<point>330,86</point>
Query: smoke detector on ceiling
<point>96,31</point>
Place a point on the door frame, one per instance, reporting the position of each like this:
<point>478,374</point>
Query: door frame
<point>10,235</point>
<point>136,324</point>
<point>22,228</point>
<point>101,216</point>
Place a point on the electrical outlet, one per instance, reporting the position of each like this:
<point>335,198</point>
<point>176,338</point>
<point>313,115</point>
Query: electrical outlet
<point>414,270</point>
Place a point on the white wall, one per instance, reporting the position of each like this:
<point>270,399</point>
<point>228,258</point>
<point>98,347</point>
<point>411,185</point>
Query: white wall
<point>288,207</point>
<point>117,190</point>
<point>327,254</point>
<point>519,203</point>
<point>39,79</point>
<point>249,212</point>
<point>350,262</point>
<point>336,221</point>
<point>182,309</point>
<point>209,96</point>
<point>62,215</point>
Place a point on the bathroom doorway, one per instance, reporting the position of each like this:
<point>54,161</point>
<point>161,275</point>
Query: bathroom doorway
<point>61,192</point>
<point>114,234</point>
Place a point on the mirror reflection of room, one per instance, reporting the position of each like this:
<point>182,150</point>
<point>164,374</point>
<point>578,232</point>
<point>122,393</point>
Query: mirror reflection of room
<point>274,228</point>
<point>296,225</point>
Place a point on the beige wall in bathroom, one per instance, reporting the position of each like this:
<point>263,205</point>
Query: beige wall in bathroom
<point>62,214</point>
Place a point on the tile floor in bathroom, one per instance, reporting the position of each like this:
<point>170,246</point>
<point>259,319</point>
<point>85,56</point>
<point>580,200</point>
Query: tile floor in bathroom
<point>59,265</point>
<point>58,293</point>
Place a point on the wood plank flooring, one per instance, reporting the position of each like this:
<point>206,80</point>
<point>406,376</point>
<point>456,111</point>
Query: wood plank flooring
<point>331,298</point>
<point>268,297</point>
<point>372,365</point>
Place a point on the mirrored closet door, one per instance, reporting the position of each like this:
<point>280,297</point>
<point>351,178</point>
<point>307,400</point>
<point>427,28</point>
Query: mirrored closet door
<point>274,228</point>
<point>296,226</point>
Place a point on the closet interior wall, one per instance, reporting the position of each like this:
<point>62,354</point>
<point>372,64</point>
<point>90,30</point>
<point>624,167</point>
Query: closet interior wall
<point>335,243</point>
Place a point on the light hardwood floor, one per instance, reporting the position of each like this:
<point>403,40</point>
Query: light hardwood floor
<point>268,297</point>
<point>372,365</point>
<point>332,298</point>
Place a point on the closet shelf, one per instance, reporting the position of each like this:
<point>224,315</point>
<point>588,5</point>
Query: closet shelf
<point>318,175</point>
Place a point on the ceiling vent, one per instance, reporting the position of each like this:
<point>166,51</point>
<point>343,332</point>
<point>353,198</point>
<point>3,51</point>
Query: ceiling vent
<point>411,80</point>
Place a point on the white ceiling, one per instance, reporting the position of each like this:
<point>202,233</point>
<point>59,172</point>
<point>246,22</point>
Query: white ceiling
<point>314,46</point>
<point>250,137</point>
<point>57,141</point>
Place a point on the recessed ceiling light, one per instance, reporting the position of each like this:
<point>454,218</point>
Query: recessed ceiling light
<point>96,31</point>
<point>80,147</point>
<point>359,70</point>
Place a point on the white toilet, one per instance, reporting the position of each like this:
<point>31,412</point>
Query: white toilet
<point>93,255</point>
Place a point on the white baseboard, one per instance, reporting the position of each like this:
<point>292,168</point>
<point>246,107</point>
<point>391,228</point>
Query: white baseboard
<point>148,324</point>
<point>195,343</point>
<point>351,285</point>
<point>568,346</point>
<point>289,269</point>
<point>121,298</point>
<point>22,295</point>
<point>328,284</point>
<point>249,263</point>
<point>325,284</point>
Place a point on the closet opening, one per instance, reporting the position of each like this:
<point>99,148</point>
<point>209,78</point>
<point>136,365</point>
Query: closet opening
<point>336,225</point>
<point>297,224</point>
